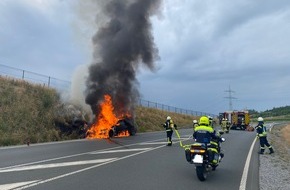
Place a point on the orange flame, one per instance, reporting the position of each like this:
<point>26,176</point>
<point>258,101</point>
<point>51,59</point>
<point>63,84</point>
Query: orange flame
<point>105,121</point>
<point>123,134</point>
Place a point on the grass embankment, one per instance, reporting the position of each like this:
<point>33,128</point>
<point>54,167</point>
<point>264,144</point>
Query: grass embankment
<point>149,119</point>
<point>36,113</point>
<point>26,112</point>
<point>278,118</point>
<point>280,140</point>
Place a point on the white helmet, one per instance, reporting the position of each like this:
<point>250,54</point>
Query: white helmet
<point>168,118</point>
<point>260,119</point>
<point>194,121</point>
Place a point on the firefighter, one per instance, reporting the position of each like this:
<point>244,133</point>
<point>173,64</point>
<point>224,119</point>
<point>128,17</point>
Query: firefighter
<point>243,126</point>
<point>224,125</point>
<point>169,126</point>
<point>262,135</point>
<point>210,121</point>
<point>195,124</point>
<point>228,126</point>
<point>204,133</point>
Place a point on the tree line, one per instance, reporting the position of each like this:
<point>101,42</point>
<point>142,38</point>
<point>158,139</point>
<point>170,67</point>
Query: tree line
<point>275,112</point>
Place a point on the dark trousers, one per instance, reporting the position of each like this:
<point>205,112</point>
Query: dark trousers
<point>169,137</point>
<point>263,142</point>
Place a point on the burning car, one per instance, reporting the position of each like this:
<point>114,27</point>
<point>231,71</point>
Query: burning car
<point>107,124</point>
<point>124,127</point>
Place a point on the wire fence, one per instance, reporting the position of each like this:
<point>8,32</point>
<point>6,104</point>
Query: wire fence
<point>149,104</point>
<point>62,85</point>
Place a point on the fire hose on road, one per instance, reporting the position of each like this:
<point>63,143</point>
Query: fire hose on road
<point>180,141</point>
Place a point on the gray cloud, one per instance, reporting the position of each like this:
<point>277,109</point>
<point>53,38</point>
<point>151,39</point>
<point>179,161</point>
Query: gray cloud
<point>33,41</point>
<point>211,45</point>
<point>204,47</point>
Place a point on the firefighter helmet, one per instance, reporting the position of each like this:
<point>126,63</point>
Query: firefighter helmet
<point>168,118</point>
<point>204,121</point>
<point>194,121</point>
<point>260,119</point>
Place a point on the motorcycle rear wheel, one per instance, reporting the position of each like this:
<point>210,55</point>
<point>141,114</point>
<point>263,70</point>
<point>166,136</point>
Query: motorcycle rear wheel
<point>201,173</point>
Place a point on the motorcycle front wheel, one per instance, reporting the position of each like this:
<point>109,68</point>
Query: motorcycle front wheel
<point>201,173</point>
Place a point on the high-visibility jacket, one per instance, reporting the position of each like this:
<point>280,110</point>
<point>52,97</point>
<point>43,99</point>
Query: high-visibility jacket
<point>224,124</point>
<point>204,134</point>
<point>169,125</point>
<point>261,130</point>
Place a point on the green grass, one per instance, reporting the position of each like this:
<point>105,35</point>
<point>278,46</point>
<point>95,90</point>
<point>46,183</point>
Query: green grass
<point>26,112</point>
<point>150,119</point>
<point>281,147</point>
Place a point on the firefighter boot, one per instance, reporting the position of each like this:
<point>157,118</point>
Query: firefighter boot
<point>261,151</point>
<point>169,141</point>
<point>271,150</point>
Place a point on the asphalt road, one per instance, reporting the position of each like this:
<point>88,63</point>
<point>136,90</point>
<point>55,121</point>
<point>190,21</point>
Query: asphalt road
<point>138,162</point>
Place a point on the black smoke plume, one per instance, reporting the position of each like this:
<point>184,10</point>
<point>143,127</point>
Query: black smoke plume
<point>121,45</point>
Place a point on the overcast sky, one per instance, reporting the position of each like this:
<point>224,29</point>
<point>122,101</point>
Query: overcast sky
<point>204,47</point>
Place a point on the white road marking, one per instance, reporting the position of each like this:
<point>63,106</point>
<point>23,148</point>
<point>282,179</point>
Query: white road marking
<point>85,169</point>
<point>42,161</point>
<point>182,138</point>
<point>56,165</point>
<point>15,185</point>
<point>177,141</point>
<point>271,126</point>
<point>42,144</point>
<point>148,143</point>
<point>120,150</point>
<point>69,156</point>
<point>246,168</point>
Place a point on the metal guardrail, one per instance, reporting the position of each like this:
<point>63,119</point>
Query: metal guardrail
<point>62,85</point>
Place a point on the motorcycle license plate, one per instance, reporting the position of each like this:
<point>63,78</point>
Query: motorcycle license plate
<point>197,159</point>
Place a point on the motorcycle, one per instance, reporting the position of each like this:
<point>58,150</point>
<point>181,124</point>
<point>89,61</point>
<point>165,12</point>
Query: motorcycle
<point>202,156</point>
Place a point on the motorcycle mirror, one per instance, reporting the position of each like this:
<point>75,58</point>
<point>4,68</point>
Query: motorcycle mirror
<point>223,139</point>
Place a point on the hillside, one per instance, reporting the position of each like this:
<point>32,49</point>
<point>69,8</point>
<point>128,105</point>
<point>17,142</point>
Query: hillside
<point>35,113</point>
<point>280,113</point>
<point>149,119</point>
<point>26,112</point>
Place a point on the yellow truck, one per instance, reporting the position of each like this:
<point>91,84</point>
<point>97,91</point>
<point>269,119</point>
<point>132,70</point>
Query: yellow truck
<point>238,119</point>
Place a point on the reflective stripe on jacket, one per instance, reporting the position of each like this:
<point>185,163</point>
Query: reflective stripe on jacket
<point>169,125</point>
<point>261,130</point>
<point>204,128</point>
<point>203,134</point>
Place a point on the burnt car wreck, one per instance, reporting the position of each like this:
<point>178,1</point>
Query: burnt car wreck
<point>124,127</point>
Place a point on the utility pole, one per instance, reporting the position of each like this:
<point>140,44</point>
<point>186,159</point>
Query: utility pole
<point>230,97</point>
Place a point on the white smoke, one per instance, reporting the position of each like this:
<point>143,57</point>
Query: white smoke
<point>78,87</point>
